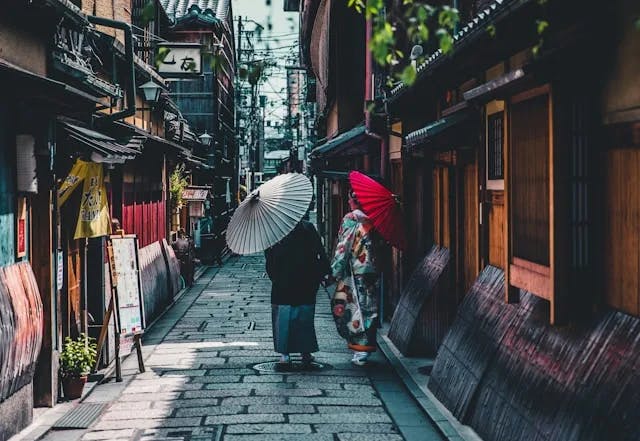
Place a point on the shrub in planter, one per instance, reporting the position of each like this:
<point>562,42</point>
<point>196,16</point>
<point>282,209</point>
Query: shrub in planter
<point>76,360</point>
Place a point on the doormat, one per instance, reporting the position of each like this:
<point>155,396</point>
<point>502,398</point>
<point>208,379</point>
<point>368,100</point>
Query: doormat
<point>80,417</point>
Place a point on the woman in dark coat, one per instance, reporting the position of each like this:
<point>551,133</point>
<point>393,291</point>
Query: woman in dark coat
<point>296,265</point>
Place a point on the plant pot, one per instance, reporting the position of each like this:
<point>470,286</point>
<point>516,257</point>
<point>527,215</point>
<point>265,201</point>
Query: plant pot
<point>73,386</point>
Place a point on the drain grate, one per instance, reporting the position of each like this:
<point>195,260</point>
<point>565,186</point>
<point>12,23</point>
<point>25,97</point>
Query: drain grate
<point>81,416</point>
<point>294,366</point>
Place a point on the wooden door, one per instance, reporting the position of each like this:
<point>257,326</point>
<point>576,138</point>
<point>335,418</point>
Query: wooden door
<point>621,230</point>
<point>443,207</point>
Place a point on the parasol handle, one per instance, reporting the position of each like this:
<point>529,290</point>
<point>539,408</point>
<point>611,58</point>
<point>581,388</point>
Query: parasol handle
<point>255,196</point>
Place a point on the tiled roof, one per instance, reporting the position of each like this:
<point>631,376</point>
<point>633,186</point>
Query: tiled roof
<point>474,27</point>
<point>179,8</point>
<point>425,133</point>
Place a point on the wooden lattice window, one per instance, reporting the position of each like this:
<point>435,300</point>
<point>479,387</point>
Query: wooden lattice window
<point>495,146</point>
<point>495,140</point>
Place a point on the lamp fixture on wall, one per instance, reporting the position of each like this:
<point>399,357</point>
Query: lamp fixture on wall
<point>151,91</point>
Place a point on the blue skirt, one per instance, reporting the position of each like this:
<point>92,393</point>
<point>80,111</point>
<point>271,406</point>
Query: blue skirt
<point>293,329</point>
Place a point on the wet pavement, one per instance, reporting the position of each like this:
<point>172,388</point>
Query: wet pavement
<point>200,382</point>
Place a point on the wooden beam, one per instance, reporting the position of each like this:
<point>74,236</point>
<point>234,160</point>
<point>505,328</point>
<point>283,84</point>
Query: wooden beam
<point>45,387</point>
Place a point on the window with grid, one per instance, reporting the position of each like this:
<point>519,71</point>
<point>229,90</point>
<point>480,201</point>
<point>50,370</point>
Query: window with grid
<point>495,144</point>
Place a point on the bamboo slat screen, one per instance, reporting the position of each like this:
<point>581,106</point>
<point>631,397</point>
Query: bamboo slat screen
<point>173,264</point>
<point>154,278</point>
<point>21,327</point>
<point>426,307</point>
<point>511,376</point>
<point>529,179</point>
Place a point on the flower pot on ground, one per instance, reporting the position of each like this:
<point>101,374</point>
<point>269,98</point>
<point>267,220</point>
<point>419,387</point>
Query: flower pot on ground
<point>72,387</point>
<point>76,360</point>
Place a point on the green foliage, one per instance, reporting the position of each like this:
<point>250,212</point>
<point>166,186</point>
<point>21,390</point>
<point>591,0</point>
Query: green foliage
<point>491,30</point>
<point>542,26</point>
<point>637,23</point>
<point>177,184</point>
<point>214,60</point>
<point>77,356</point>
<point>421,18</point>
<point>408,75</point>
<point>148,12</point>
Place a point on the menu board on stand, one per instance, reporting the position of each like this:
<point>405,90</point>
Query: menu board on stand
<point>127,299</point>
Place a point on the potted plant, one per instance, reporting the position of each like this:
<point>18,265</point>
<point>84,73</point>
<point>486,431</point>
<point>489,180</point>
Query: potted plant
<point>76,360</point>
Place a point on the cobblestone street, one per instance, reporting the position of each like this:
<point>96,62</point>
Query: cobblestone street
<point>200,385</point>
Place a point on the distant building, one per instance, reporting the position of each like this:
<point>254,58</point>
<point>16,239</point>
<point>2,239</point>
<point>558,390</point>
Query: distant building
<point>272,160</point>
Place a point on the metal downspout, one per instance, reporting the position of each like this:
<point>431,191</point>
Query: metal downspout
<point>130,109</point>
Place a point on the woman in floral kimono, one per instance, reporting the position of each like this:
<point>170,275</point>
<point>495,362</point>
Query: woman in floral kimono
<point>355,302</point>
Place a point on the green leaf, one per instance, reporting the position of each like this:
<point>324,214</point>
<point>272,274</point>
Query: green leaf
<point>148,12</point>
<point>446,40</point>
<point>491,30</point>
<point>542,26</point>
<point>408,75</point>
<point>536,50</point>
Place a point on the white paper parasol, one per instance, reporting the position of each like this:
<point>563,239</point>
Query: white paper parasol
<point>269,213</point>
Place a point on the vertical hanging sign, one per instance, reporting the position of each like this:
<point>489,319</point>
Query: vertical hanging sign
<point>21,227</point>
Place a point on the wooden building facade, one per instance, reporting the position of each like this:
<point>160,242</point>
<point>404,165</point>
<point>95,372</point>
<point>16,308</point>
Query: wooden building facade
<point>515,157</point>
<point>70,90</point>
<point>207,103</point>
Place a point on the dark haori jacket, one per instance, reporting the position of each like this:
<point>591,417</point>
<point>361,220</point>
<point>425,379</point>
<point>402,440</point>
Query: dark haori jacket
<point>296,265</point>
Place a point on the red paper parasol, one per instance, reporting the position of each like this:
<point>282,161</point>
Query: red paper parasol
<point>381,206</point>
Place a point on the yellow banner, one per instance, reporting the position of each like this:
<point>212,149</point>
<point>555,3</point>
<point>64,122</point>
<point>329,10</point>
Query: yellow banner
<point>93,220</point>
<point>76,175</point>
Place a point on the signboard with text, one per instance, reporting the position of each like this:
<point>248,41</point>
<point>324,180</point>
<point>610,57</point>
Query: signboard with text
<point>125,278</point>
<point>179,59</point>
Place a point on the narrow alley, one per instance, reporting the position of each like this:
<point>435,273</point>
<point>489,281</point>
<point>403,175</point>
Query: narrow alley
<point>200,383</point>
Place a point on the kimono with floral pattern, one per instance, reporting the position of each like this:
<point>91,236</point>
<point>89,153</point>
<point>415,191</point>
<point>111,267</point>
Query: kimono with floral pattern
<point>355,302</point>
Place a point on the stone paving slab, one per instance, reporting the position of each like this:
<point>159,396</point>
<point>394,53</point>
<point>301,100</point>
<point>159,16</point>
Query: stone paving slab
<point>200,384</point>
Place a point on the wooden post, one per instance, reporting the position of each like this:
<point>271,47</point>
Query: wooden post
<point>118,363</point>
<point>136,342</point>
<point>103,331</point>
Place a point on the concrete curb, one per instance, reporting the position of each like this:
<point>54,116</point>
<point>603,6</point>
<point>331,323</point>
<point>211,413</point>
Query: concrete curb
<point>446,423</point>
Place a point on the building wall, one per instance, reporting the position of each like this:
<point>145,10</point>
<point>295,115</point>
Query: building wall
<point>21,46</point>
<point>119,10</point>
<point>621,97</point>
<point>143,200</point>
<point>7,190</point>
